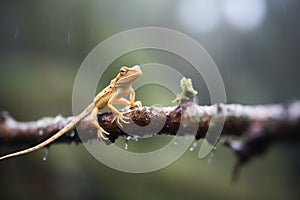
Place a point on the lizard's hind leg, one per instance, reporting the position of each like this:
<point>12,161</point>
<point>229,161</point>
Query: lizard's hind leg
<point>100,130</point>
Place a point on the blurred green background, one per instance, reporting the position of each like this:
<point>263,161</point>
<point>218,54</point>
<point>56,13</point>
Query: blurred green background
<point>254,43</point>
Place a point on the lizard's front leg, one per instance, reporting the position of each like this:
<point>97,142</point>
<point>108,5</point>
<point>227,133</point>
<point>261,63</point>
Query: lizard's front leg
<point>132,98</point>
<point>117,100</point>
<point>100,130</point>
<point>118,115</point>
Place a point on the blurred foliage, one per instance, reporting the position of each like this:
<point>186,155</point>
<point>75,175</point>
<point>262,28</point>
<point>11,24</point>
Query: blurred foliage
<point>43,44</point>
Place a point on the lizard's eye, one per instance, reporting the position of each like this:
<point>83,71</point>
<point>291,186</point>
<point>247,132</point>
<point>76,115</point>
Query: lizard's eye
<point>123,72</point>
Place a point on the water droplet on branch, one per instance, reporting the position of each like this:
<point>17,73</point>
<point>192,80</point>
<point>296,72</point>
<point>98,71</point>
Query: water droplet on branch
<point>72,134</point>
<point>41,132</point>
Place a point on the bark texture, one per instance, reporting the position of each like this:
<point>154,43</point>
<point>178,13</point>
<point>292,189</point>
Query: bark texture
<point>247,130</point>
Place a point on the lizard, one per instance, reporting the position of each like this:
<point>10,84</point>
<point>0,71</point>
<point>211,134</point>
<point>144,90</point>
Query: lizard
<point>114,93</point>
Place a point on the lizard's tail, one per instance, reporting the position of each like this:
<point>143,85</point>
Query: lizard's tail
<point>69,126</point>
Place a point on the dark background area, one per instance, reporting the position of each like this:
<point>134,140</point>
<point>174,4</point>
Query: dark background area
<point>254,43</point>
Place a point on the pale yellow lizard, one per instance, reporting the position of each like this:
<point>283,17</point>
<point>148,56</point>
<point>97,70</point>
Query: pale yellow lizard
<point>114,93</point>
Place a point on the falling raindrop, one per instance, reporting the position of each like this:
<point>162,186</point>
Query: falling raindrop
<point>126,142</point>
<point>228,73</point>
<point>193,146</point>
<point>16,33</point>
<point>83,180</point>
<point>284,10</point>
<point>238,55</point>
<point>68,38</point>
<point>46,153</point>
<point>211,155</point>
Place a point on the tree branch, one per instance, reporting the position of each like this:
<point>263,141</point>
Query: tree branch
<point>248,130</point>
<point>256,127</point>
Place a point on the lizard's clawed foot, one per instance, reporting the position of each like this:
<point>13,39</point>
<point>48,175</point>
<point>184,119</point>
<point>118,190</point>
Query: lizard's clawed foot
<point>120,118</point>
<point>136,104</point>
<point>120,115</point>
<point>100,134</point>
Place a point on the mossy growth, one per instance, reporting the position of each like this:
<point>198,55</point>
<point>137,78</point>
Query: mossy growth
<point>188,91</point>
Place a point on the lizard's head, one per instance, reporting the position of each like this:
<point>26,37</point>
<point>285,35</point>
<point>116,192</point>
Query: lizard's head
<point>129,74</point>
